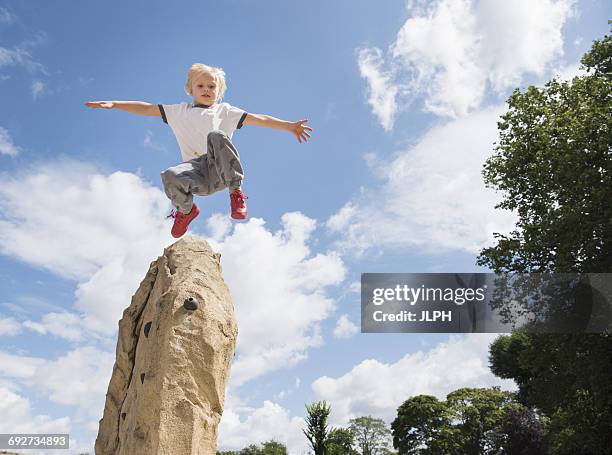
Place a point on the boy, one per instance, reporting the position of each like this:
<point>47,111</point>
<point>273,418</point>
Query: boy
<point>204,131</point>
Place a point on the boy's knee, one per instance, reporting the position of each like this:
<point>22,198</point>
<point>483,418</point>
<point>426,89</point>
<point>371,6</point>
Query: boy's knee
<point>167,176</point>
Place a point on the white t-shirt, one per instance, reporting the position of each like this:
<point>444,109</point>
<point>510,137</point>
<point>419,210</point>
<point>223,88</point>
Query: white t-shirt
<point>192,123</point>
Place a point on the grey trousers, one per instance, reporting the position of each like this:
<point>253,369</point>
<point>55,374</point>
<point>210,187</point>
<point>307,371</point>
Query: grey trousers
<point>218,169</point>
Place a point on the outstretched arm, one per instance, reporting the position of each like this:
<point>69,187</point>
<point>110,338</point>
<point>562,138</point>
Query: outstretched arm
<point>298,129</point>
<point>135,107</point>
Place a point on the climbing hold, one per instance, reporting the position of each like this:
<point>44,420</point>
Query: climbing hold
<point>123,415</point>
<point>147,327</point>
<point>190,304</point>
<point>142,378</point>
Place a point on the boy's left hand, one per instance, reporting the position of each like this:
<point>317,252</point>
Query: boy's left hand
<point>300,131</point>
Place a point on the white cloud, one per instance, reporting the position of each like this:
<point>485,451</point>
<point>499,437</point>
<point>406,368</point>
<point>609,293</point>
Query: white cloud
<point>20,56</point>
<point>381,92</point>
<point>100,230</point>
<point>271,421</point>
<point>578,41</point>
<point>38,87</point>
<point>63,325</point>
<point>7,147</point>
<point>432,195</point>
<point>378,388</point>
<point>17,416</point>
<point>104,230</point>
<point>342,218</point>
<point>355,286</point>
<point>345,328</point>
<point>18,366</point>
<point>79,378</point>
<point>451,52</point>
<point>6,17</point>
<point>568,72</point>
<point>279,291</point>
<point>148,142</point>
<point>26,305</point>
<point>524,37</point>
<point>9,326</point>
<point>11,57</point>
<point>439,50</point>
<point>286,392</point>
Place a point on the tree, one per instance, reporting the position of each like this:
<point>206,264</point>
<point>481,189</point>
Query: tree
<point>523,432</point>
<point>316,426</point>
<point>273,448</point>
<point>418,424</point>
<point>267,448</point>
<point>370,435</point>
<point>469,422</point>
<point>475,414</point>
<point>567,378</point>
<point>250,450</point>
<point>340,442</point>
<point>553,165</point>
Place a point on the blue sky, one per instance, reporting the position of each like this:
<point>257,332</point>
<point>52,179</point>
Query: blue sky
<point>403,99</point>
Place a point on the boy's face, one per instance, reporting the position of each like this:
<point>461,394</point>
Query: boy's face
<point>204,89</point>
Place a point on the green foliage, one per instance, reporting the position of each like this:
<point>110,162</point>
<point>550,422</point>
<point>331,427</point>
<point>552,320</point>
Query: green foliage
<point>418,423</point>
<point>568,379</point>
<point>273,448</point>
<point>371,435</point>
<point>316,426</point>
<point>250,450</point>
<point>267,448</point>
<point>470,422</point>
<point>522,432</point>
<point>340,442</point>
<point>475,414</point>
<point>553,165</point>
<point>599,59</point>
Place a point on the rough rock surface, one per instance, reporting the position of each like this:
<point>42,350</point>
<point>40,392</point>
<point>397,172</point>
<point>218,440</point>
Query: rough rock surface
<point>167,389</point>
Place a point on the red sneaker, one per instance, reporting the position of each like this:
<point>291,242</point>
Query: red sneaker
<point>181,221</point>
<point>238,204</point>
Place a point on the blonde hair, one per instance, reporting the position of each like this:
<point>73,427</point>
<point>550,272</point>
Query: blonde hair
<point>198,69</point>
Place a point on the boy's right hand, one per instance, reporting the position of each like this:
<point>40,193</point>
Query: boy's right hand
<point>100,104</point>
